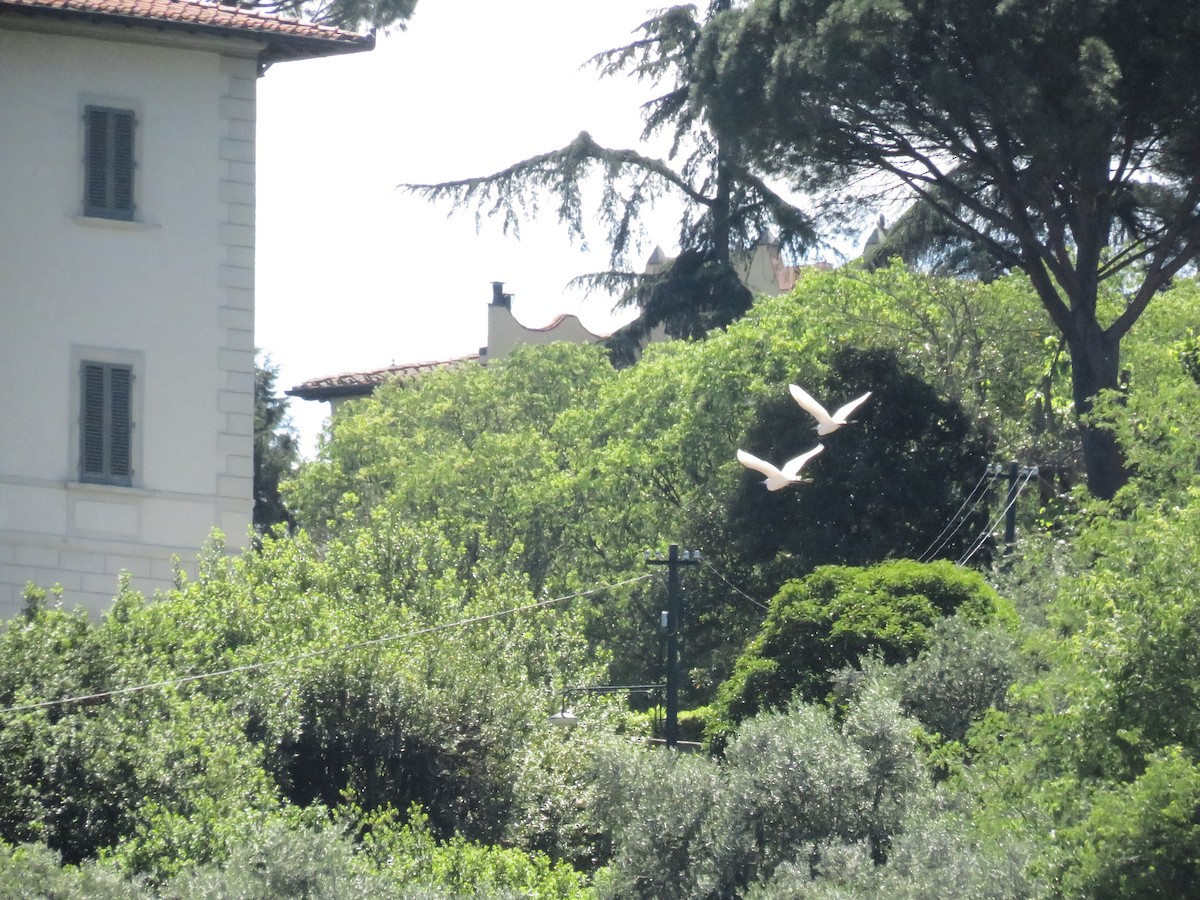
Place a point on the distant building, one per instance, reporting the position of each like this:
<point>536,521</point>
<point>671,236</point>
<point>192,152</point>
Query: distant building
<point>127,283</point>
<point>762,271</point>
<point>503,334</point>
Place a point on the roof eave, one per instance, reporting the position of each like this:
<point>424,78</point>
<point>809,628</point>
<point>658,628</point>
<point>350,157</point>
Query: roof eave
<point>276,46</point>
<point>332,392</point>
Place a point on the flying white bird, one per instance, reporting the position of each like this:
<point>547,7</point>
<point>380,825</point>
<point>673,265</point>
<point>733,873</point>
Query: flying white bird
<point>825,422</point>
<point>779,478</point>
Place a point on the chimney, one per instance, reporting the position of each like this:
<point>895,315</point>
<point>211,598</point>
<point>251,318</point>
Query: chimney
<point>499,298</point>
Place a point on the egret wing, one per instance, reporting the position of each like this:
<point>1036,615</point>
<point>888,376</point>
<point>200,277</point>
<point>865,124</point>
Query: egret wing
<point>750,461</point>
<point>850,407</point>
<point>775,480</point>
<point>811,406</point>
<point>792,467</point>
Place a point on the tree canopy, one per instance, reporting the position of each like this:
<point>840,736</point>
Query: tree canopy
<point>1056,134</point>
<point>727,207</point>
<point>276,449</point>
<point>358,707</point>
<point>352,14</point>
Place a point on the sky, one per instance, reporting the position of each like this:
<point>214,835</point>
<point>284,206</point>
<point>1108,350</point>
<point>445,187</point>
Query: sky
<point>352,274</point>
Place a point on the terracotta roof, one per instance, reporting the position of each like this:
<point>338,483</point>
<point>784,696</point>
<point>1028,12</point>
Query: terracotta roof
<point>360,384</point>
<point>558,320</point>
<point>288,38</point>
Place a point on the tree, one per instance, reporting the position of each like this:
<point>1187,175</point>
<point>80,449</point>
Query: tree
<point>792,785</point>
<point>1051,133</point>
<point>163,769</point>
<point>343,13</point>
<point>728,208</point>
<point>276,450</point>
<point>839,615</point>
<point>885,486</point>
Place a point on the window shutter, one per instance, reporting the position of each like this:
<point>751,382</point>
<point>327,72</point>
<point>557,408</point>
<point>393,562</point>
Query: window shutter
<point>106,424</point>
<point>120,463</point>
<point>122,162</point>
<point>92,422</point>
<point>108,162</point>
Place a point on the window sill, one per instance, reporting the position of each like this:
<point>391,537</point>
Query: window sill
<point>96,487</point>
<point>119,224</point>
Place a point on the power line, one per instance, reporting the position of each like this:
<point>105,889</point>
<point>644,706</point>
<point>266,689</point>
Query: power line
<point>971,501</point>
<point>1014,491</point>
<point>300,657</point>
<point>704,562</point>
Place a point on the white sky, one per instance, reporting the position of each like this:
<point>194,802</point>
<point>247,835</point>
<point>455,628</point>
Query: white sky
<point>353,275</point>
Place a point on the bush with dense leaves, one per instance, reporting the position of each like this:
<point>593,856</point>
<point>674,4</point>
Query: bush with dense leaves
<point>790,784</point>
<point>837,616</point>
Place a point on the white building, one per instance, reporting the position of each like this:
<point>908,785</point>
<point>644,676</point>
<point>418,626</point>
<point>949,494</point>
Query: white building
<point>126,284</point>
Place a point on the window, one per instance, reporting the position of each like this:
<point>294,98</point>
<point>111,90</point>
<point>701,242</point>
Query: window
<point>108,162</point>
<point>106,424</point>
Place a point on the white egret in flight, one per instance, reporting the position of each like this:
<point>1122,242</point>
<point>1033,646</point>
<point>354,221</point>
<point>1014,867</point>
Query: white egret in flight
<point>826,423</point>
<point>779,478</point>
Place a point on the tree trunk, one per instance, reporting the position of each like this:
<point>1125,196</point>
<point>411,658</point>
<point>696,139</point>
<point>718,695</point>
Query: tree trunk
<point>1095,366</point>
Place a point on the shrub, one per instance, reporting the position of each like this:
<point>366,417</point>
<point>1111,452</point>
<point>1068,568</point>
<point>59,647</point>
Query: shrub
<point>836,616</point>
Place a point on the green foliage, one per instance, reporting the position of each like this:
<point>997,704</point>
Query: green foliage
<point>1017,126</point>
<point>1141,839</point>
<point>939,853</point>
<point>408,855</point>
<point>963,672</point>
<point>838,615</point>
<point>85,776</point>
<point>425,709</point>
<point>33,870</point>
<point>658,809</point>
<point>791,785</point>
<point>284,861</point>
<point>1106,714</point>
<point>1156,417</point>
<point>476,452</point>
<point>276,450</point>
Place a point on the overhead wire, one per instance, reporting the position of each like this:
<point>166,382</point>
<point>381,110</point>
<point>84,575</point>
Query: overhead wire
<point>1014,493</point>
<point>704,562</point>
<point>961,514</point>
<point>313,654</point>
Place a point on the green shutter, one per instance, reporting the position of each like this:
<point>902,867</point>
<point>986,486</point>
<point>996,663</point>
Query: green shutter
<point>108,162</point>
<point>120,462</point>
<point>95,161</point>
<point>92,422</point>
<point>106,424</point>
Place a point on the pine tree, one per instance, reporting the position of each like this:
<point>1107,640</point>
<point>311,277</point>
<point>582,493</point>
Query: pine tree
<point>1053,134</point>
<point>727,207</point>
<point>276,449</point>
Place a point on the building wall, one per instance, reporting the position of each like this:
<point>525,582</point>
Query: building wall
<point>170,293</point>
<point>505,332</point>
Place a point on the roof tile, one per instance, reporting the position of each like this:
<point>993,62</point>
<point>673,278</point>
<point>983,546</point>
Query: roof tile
<point>185,12</point>
<point>362,383</point>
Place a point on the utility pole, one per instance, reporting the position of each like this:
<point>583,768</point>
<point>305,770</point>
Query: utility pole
<point>1012,471</point>
<point>673,622</point>
<point>1010,509</point>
